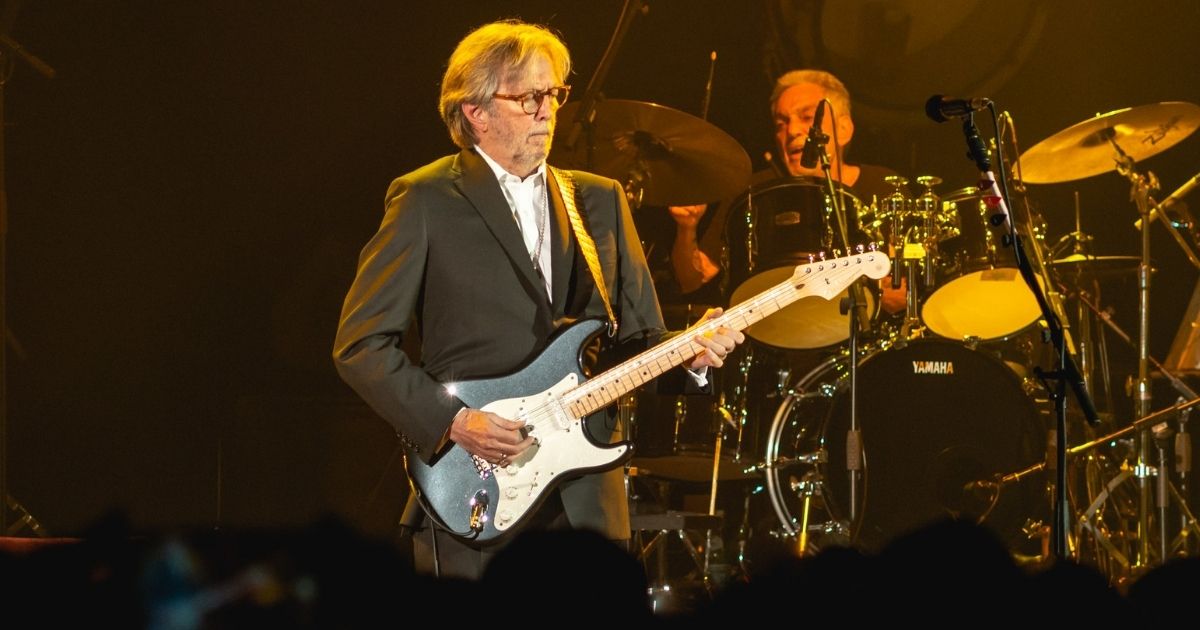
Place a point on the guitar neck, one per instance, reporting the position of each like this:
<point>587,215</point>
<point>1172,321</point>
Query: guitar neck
<point>606,388</point>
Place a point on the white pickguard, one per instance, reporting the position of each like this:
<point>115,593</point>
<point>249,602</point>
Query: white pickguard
<point>561,447</point>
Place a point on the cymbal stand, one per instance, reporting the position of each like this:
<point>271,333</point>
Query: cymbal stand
<point>1081,245</point>
<point>714,552</point>
<point>10,51</point>
<point>583,122</point>
<point>1182,444</point>
<point>1183,468</point>
<point>896,208</point>
<point>1186,219</point>
<point>1141,187</point>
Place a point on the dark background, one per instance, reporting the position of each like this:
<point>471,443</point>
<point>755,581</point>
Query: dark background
<point>188,197</point>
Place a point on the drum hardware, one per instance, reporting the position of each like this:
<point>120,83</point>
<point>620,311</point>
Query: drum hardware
<point>725,420</point>
<point>1117,141</point>
<point>1182,544</point>
<point>1182,444</point>
<point>925,430</point>
<point>819,456</point>
<point>1089,520</point>
<point>667,526</point>
<point>914,229</point>
<point>809,486</point>
<point>1142,186</point>
<point>1182,219</point>
<point>771,228</point>
<point>981,292</point>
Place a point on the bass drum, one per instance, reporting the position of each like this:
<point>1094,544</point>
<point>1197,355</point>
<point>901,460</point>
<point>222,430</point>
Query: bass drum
<point>774,227</point>
<point>935,417</point>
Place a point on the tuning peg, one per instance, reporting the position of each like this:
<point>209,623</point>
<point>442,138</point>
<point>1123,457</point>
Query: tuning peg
<point>858,248</point>
<point>821,255</point>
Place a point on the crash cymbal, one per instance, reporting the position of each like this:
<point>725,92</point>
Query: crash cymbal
<point>678,159</point>
<point>1097,265</point>
<point>1086,148</point>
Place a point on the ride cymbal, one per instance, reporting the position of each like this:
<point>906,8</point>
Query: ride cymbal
<point>673,157</point>
<point>1096,145</point>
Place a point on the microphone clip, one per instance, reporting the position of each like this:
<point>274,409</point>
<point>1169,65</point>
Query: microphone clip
<point>814,145</point>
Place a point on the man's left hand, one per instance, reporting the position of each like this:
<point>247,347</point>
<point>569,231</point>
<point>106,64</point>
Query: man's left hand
<point>717,344</point>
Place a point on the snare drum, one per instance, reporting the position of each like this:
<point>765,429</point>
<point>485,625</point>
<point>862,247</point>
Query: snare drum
<point>980,292</point>
<point>774,227</point>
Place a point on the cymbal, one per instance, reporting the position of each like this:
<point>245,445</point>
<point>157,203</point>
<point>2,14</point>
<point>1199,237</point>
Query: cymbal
<point>679,159</point>
<point>1097,265</point>
<point>1086,149</point>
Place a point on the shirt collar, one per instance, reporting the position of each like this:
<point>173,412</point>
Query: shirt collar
<point>504,175</point>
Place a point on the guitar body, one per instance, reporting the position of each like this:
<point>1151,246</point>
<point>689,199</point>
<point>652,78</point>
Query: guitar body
<point>479,502</point>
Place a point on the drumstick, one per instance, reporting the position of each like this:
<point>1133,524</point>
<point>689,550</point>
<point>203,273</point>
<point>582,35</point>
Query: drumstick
<point>712,66</point>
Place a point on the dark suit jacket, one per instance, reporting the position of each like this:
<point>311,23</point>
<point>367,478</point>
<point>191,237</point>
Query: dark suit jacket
<point>449,254</point>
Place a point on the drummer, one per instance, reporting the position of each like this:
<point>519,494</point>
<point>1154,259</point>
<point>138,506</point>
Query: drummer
<point>793,105</point>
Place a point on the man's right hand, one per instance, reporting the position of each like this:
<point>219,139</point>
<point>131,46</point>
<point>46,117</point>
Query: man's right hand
<point>688,216</point>
<point>488,436</point>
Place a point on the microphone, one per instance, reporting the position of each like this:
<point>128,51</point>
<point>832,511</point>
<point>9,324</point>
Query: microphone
<point>816,139</point>
<point>941,109</point>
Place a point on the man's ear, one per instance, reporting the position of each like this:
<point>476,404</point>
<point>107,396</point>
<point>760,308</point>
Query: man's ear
<point>477,116</point>
<point>845,129</point>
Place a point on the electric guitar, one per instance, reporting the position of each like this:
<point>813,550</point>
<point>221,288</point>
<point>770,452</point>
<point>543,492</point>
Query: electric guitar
<point>482,502</point>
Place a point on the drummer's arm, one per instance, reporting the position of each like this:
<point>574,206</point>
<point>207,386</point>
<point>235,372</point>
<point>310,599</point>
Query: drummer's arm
<point>693,268</point>
<point>893,300</point>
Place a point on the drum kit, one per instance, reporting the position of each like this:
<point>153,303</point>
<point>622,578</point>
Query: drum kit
<point>954,417</point>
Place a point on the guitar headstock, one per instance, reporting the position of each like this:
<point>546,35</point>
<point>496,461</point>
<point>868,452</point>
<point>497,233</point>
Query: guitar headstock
<point>828,278</point>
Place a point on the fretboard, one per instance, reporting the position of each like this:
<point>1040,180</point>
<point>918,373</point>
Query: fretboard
<point>833,276</point>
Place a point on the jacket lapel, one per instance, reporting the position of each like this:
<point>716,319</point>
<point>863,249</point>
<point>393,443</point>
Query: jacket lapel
<point>478,184</point>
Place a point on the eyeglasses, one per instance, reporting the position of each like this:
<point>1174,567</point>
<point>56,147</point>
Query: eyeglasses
<point>531,101</point>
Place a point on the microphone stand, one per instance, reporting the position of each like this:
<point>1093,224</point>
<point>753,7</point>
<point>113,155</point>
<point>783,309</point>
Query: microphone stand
<point>855,305</point>
<point>585,116</point>
<point>10,50</point>
<point>1067,374</point>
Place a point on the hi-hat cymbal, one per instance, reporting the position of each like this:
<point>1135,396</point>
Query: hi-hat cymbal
<point>677,158</point>
<point>1097,265</point>
<point>1086,148</point>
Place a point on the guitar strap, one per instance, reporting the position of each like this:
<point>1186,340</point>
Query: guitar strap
<point>566,184</point>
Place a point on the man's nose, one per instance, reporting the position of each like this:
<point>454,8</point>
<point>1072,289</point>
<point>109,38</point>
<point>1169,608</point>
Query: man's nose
<point>545,108</point>
<point>797,129</point>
